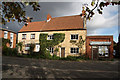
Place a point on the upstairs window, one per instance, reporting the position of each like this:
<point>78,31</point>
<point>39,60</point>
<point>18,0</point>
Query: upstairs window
<point>74,36</point>
<point>23,36</point>
<point>11,37</point>
<point>74,50</point>
<point>5,34</point>
<point>50,37</point>
<point>51,49</point>
<point>32,36</point>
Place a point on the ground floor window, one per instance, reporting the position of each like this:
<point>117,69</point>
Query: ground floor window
<point>51,49</point>
<point>103,51</point>
<point>37,47</point>
<point>74,50</point>
<point>27,47</point>
<point>11,44</point>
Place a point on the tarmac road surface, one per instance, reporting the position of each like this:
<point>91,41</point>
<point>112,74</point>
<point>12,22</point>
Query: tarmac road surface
<point>14,67</point>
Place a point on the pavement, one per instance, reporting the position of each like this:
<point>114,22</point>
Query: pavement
<point>14,67</point>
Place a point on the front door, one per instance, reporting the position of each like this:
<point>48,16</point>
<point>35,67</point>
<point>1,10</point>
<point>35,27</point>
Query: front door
<point>94,52</point>
<point>62,52</point>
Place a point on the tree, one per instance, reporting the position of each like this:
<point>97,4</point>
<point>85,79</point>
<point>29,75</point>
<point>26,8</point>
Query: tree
<point>99,6</point>
<point>14,11</point>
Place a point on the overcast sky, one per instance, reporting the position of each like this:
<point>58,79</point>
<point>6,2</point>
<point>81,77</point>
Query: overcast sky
<point>105,24</point>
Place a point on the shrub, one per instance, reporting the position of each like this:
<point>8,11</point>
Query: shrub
<point>9,51</point>
<point>54,57</point>
<point>46,55</point>
<point>71,58</point>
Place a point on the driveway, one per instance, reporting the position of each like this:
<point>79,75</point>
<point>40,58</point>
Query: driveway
<point>14,67</point>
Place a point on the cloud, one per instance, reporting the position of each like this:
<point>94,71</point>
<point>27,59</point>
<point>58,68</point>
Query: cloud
<point>107,20</point>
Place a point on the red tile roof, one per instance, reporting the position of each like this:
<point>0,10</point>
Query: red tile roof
<point>57,23</point>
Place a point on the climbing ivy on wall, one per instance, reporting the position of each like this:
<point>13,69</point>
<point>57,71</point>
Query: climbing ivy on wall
<point>44,43</point>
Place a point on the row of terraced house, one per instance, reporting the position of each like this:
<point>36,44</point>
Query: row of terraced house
<point>73,27</point>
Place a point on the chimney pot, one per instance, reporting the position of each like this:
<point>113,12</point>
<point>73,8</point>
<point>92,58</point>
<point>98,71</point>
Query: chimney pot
<point>48,17</point>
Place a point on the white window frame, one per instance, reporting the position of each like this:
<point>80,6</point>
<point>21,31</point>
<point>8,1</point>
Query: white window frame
<point>50,37</point>
<point>32,36</point>
<point>51,49</point>
<point>103,49</point>
<point>11,37</point>
<point>5,34</point>
<point>24,35</point>
<point>37,47</point>
<point>74,50</point>
<point>11,40</point>
<point>27,47</point>
<point>73,35</point>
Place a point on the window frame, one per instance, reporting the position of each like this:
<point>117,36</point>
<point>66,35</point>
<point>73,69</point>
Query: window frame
<point>102,49</point>
<point>75,50</point>
<point>12,37</point>
<point>24,35</point>
<point>5,32</point>
<point>32,37</point>
<point>51,49</point>
<point>75,36</point>
<point>27,46</point>
<point>50,37</point>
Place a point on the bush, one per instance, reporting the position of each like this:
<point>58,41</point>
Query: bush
<point>54,57</point>
<point>9,51</point>
<point>46,55</point>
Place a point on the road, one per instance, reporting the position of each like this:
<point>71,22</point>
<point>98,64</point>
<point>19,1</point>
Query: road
<point>14,67</point>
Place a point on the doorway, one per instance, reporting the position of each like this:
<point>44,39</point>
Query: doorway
<point>94,52</point>
<point>62,52</point>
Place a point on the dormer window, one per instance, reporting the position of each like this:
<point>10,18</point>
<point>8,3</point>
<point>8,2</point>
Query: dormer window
<point>50,37</point>
<point>74,36</point>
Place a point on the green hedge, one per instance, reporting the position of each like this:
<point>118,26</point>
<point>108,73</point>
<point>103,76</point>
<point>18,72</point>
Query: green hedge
<point>9,51</point>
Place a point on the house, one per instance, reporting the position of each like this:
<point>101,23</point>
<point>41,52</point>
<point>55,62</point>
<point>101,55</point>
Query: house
<point>72,26</point>
<point>99,47</point>
<point>10,35</point>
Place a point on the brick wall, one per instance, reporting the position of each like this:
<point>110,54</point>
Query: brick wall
<point>98,38</point>
<point>14,38</point>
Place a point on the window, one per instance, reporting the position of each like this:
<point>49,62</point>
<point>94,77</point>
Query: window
<point>50,37</point>
<point>27,47</point>
<point>32,36</point>
<point>51,49</point>
<point>74,36</point>
<point>5,34</point>
<point>11,44</point>
<point>23,36</point>
<point>74,50</point>
<point>11,37</point>
<point>37,48</point>
<point>103,51</point>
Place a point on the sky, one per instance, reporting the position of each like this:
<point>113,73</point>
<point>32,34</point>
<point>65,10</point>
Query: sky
<point>105,24</point>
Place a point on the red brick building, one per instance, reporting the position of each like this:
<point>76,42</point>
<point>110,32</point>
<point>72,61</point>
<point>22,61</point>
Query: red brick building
<point>8,34</point>
<point>99,47</point>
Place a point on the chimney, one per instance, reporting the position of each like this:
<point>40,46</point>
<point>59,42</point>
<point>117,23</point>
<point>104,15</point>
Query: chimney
<point>28,20</point>
<point>84,17</point>
<point>48,17</point>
